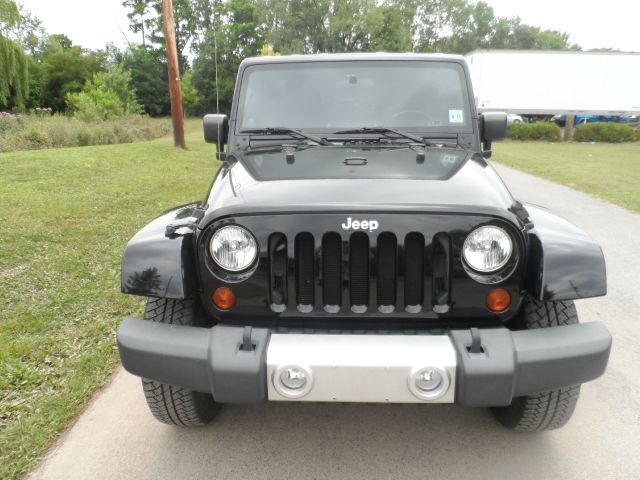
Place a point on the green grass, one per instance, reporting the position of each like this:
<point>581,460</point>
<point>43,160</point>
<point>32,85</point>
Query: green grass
<point>607,171</point>
<point>66,216</point>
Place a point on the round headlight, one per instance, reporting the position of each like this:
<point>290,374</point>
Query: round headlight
<point>233,248</point>
<point>487,249</point>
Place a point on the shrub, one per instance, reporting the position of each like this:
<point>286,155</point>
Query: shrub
<point>34,136</point>
<point>84,137</point>
<point>545,131</point>
<point>605,132</point>
<point>31,132</point>
<point>95,105</point>
<point>8,124</point>
<point>106,96</point>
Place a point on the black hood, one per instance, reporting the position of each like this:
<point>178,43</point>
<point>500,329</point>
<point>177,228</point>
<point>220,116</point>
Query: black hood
<point>347,179</point>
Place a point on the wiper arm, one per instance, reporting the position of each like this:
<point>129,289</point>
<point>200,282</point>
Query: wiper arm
<point>385,131</point>
<point>280,147</point>
<point>289,131</point>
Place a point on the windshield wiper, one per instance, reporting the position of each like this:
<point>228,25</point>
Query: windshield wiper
<point>386,131</point>
<point>287,131</point>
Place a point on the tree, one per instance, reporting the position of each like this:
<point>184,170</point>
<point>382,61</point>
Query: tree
<point>191,98</point>
<point>390,32</point>
<point>66,69</point>
<point>138,17</point>
<point>458,26</point>
<point>9,16</point>
<point>236,31</point>
<point>313,26</point>
<point>146,17</point>
<point>527,37</point>
<point>149,79</point>
<point>454,26</point>
<point>14,72</point>
<point>295,26</point>
<point>350,23</point>
<point>28,31</point>
<point>107,95</point>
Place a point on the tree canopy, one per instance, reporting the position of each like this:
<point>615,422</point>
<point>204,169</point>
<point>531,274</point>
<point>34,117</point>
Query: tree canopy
<point>67,68</point>
<point>451,26</point>
<point>14,71</point>
<point>214,36</point>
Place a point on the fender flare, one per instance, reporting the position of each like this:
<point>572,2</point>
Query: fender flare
<point>564,262</point>
<point>159,261</point>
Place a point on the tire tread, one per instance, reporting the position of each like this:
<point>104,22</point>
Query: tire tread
<point>168,403</point>
<point>551,409</point>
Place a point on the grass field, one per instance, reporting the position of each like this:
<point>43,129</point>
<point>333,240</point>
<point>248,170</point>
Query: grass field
<point>65,218</point>
<point>607,171</point>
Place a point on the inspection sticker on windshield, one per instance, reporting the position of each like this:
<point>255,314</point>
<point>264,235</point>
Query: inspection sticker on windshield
<point>455,116</point>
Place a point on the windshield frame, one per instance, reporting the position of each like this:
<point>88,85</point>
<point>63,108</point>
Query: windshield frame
<point>426,131</point>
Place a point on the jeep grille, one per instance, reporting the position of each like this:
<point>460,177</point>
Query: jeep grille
<point>358,274</point>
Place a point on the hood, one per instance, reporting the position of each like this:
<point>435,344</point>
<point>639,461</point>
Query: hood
<point>348,180</point>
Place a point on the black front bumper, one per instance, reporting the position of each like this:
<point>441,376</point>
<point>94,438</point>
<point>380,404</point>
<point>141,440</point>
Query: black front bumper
<point>222,361</point>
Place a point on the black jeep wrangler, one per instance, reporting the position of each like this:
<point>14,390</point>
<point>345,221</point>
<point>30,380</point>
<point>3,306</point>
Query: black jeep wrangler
<point>356,246</point>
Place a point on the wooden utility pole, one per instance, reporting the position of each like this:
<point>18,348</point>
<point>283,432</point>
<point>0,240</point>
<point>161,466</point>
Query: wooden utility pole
<point>175,93</point>
<point>568,127</point>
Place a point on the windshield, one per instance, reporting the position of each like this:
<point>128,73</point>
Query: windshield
<point>330,96</point>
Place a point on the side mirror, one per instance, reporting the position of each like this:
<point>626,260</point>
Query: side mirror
<point>216,130</point>
<point>493,126</point>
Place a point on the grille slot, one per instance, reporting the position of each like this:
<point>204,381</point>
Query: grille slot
<point>278,271</point>
<point>332,271</point>
<point>386,265</point>
<point>305,272</point>
<point>441,272</point>
<point>359,272</point>
<point>413,271</point>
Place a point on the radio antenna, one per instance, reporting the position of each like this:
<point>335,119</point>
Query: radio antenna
<point>215,54</point>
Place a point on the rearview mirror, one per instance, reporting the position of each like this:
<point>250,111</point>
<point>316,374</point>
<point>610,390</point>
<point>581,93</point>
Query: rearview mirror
<point>493,126</point>
<point>216,130</point>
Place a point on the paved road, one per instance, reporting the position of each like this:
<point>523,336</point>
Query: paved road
<point>116,438</point>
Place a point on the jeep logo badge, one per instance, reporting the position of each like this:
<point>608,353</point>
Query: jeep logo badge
<point>370,225</point>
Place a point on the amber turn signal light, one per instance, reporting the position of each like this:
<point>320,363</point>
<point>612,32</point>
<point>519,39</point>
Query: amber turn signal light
<point>498,300</point>
<point>224,298</point>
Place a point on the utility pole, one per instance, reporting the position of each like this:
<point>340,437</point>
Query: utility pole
<point>568,127</point>
<point>175,93</point>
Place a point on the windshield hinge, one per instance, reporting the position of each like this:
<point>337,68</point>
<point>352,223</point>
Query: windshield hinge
<point>242,142</point>
<point>465,140</point>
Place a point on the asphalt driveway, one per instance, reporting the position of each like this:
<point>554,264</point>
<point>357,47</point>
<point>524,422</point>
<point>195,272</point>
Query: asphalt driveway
<point>116,437</point>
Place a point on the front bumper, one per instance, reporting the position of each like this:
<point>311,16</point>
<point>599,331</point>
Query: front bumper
<point>244,365</point>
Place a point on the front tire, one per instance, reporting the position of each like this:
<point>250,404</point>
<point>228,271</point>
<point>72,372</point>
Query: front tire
<point>170,404</point>
<point>545,410</point>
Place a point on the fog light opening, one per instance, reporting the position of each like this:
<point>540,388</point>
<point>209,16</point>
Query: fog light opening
<point>224,298</point>
<point>293,378</point>
<point>428,380</point>
<point>498,300</point>
<point>292,381</point>
<point>429,383</point>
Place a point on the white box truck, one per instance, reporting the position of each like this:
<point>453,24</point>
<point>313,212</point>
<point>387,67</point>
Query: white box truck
<point>551,82</point>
